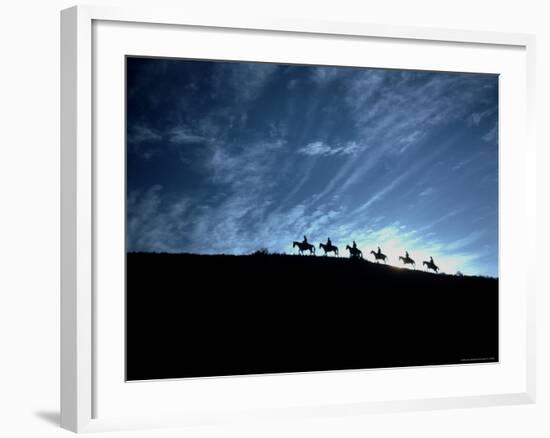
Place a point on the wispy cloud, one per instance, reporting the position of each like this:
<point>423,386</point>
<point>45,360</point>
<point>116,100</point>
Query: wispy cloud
<point>184,134</point>
<point>391,182</point>
<point>154,225</point>
<point>461,164</point>
<point>325,75</point>
<point>409,140</point>
<point>451,214</point>
<point>465,241</point>
<point>379,195</point>
<point>143,141</point>
<point>324,149</point>
<point>140,134</point>
<point>491,135</point>
<point>244,81</point>
<point>428,191</point>
<point>478,117</point>
<point>249,167</point>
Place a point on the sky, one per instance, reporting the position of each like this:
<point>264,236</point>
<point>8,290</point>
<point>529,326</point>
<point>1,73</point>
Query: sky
<point>234,157</point>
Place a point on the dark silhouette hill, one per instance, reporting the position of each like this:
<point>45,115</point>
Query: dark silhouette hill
<point>211,315</point>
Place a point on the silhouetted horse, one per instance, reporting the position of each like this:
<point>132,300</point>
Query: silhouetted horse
<point>408,261</point>
<point>354,252</point>
<point>380,256</point>
<point>329,248</point>
<point>304,247</point>
<point>431,265</point>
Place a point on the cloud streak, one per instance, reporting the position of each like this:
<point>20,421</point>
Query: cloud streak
<point>323,149</point>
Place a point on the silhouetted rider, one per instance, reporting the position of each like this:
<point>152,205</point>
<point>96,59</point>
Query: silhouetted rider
<point>432,260</point>
<point>305,240</point>
<point>354,245</point>
<point>329,243</point>
<point>407,255</point>
<point>379,250</point>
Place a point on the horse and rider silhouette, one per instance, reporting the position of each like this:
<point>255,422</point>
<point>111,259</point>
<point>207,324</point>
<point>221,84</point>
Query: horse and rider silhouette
<point>304,246</point>
<point>354,252</point>
<point>431,265</point>
<point>378,255</point>
<point>407,260</point>
<point>329,247</point>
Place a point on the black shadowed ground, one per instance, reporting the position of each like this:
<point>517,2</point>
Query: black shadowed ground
<point>211,315</point>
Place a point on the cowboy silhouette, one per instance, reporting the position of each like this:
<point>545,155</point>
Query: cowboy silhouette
<point>305,240</point>
<point>329,243</point>
<point>432,260</point>
<point>379,250</point>
<point>407,254</point>
<point>354,245</point>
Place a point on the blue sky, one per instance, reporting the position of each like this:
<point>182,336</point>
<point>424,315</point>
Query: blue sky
<point>233,157</point>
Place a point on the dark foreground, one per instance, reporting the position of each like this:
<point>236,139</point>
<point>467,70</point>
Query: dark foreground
<point>191,315</point>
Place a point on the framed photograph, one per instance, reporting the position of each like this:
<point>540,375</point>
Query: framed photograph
<point>283,218</point>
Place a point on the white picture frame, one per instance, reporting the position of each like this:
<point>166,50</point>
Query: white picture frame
<point>83,370</point>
